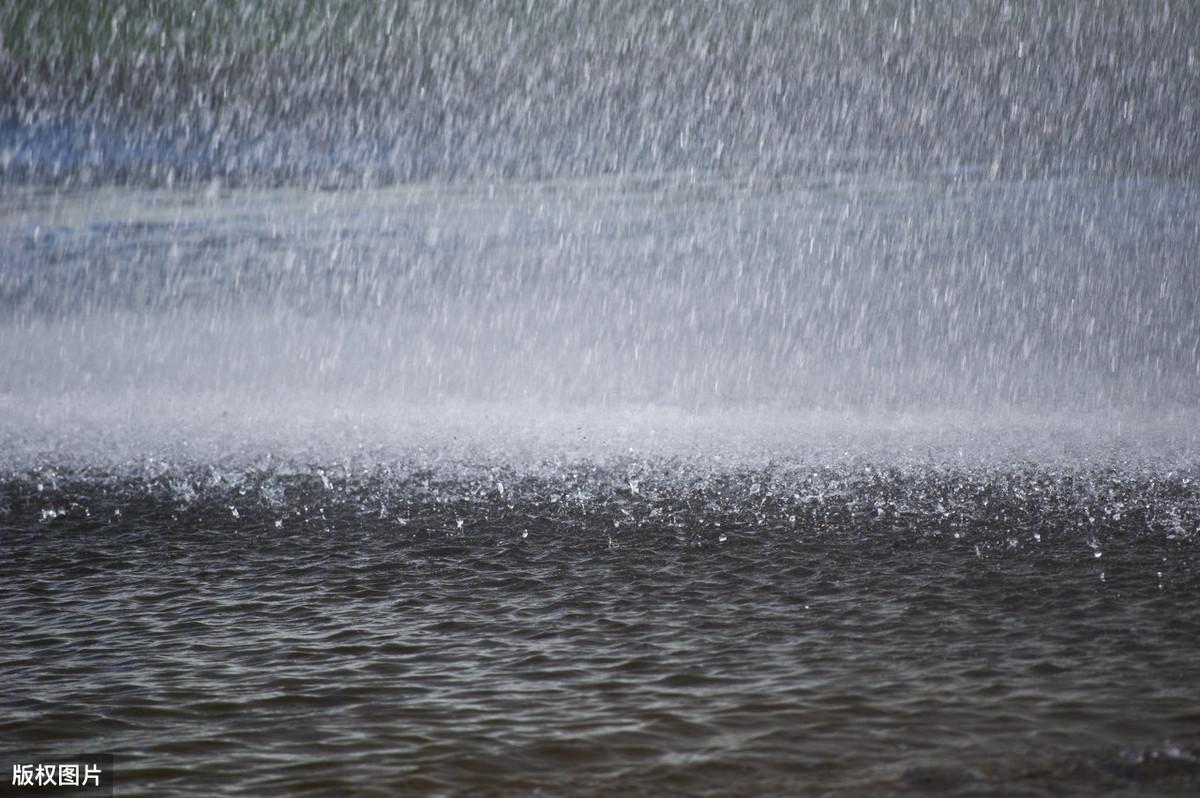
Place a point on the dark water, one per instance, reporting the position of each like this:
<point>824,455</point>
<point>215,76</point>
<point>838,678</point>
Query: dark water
<point>531,397</point>
<point>677,486</point>
<point>600,628</point>
<point>672,486</point>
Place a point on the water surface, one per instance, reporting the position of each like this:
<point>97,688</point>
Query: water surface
<point>673,485</point>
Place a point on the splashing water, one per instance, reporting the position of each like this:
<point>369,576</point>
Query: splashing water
<point>735,398</point>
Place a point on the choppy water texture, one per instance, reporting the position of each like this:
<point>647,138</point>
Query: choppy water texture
<point>608,628</point>
<point>868,485</point>
<point>602,398</point>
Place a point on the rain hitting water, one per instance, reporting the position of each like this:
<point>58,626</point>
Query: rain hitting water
<point>581,398</point>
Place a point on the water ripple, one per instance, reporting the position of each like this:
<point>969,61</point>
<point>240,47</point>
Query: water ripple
<point>1020,631</point>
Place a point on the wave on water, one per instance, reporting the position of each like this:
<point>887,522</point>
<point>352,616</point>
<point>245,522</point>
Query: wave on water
<point>640,602</point>
<point>589,398</point>
<point>1008,478</point>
